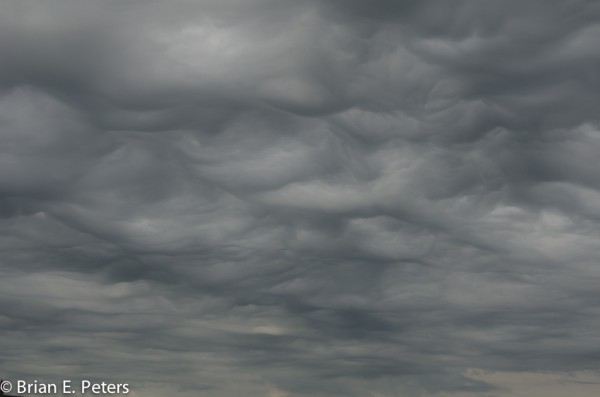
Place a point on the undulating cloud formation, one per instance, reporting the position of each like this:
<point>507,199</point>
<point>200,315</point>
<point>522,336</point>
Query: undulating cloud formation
<point>302,198</point>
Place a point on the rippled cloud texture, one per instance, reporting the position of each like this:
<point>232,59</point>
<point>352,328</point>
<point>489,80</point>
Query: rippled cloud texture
<point>302,198</point>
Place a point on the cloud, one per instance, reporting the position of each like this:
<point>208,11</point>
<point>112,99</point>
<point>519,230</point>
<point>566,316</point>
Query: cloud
<point>300,198</point>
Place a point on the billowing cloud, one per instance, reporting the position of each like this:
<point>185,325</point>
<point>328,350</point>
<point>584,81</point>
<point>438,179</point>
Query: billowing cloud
<point>301,198</point>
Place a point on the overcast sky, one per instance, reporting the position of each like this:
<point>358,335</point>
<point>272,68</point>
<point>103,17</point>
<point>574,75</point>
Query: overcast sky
<point>302,198</point>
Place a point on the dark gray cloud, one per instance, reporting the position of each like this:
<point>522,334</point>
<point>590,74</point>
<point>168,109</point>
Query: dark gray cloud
<point>300,198</point>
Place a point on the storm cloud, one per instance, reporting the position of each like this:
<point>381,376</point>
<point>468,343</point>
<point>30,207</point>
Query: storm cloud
<point>301,197</point>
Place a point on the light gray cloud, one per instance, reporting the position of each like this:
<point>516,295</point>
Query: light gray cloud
<point>299,198</point>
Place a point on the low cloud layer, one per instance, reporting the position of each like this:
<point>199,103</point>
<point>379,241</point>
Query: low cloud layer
<point>301,198</point>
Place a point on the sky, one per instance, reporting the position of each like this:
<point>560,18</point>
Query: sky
<point>302,198</point>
